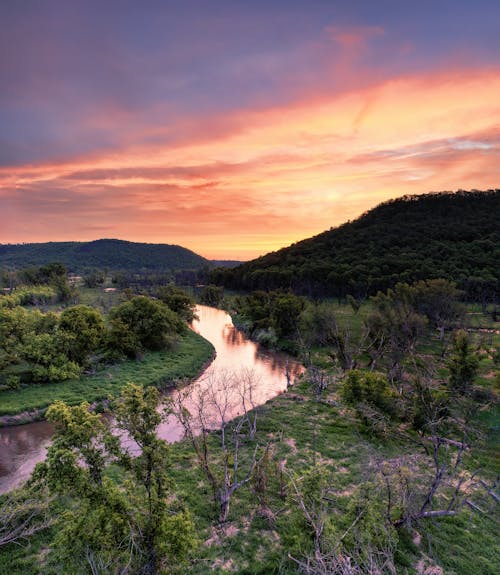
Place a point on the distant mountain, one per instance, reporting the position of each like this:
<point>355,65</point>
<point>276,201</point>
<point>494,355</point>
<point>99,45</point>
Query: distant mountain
<point>107,253</point>
<point>449,235</point>
<point>225,263</point>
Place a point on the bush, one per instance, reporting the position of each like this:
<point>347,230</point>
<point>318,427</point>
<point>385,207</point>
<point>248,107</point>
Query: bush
<point>372,389</point>
<point>143,324</point>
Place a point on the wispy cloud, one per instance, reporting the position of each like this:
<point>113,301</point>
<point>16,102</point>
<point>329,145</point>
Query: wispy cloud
<point>236,131</point>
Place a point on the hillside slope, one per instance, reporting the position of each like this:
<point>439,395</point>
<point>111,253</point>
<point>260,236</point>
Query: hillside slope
<point>105,253</point>
<point>450,235</point>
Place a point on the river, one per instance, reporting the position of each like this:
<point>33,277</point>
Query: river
<point>23,446</point>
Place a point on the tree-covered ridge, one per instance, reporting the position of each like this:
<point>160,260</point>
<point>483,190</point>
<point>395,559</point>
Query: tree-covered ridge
<point>455,236</point>
<point>106,253</point>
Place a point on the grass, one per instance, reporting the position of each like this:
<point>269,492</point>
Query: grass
<point>304,431</point>
<point>158,368</point>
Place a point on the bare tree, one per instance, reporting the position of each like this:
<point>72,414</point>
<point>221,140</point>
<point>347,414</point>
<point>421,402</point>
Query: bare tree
<point>21,517</point>
<point>348,553</point>
<point>215,404</point>
<point>319,381</point>
<point>444,478</point>
<point>246,384</point>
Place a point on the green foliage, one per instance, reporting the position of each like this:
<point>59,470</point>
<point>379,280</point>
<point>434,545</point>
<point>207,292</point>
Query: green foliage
<point>138,524</point>
<point>394,326</point>
<point>82,328</point>
<point>94,279</point>
<point>212,295</point>
<point>100,254</point>
<point>285,313</point>
<point>362,387</point>
<point>46,353</point>
<point>143,324</point>
<point>430,405</point>
<point>438,300</point>
<point>160,369</point>
<point>454,236</point>
<point>463,364</point>
<point>29,295</point>
<point>52,274</point>
<point>178,301</point>
<point>79,436</point>
<point>270,314</point>
<point>54,348</point>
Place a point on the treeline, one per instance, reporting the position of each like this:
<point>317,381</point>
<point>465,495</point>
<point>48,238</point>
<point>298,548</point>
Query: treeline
<point>100,254</point>
<point>36,285</point>
<point>37,346</point>
<point>396,319</point>
<point>454,236</point>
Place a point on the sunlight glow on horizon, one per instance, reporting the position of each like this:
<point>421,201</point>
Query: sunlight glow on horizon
<point>238,181</point>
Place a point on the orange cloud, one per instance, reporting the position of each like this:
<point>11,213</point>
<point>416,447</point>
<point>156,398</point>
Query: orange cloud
<point>240,185</point>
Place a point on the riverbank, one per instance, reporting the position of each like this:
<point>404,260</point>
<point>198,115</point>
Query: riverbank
<point>258,538</point>
<point>162,369</point>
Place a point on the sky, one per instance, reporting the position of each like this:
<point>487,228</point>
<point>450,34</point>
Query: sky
<point>234,128</point>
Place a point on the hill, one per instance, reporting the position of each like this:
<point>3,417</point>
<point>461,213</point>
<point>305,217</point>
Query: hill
<point>449,235</point>
<point>106,253</point>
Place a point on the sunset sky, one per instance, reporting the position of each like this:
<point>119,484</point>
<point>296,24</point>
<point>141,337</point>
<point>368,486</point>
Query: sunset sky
<point>233,127</point>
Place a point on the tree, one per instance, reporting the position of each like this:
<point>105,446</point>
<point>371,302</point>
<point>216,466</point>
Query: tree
<point>213,406</point>
<point>83,329</point>
<point>134,526</point>
<point>33,337</point>
<point>463,365</point>
<point>326,541</point>
<point>46,353</point>
<point>212,295</point>
<point>22,514</point>
<point>164,534</point>
<point>143,324</point>
<point>438,300</point>
<point>285,313</point>
<point>394,326</point>
<point>373,398</point>
<point>55,274</point>
<point>94,279</point>
<point>178,301</point>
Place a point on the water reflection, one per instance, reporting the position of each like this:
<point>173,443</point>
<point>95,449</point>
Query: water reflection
<point>21,448</point>
<point>238,361</point>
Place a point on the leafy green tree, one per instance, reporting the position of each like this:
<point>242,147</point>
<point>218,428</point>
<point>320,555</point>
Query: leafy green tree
<point>56,275</point>
<point>45,351</point>
<point>94,279</point>
<point>178,300</point>
<point>463,364</point>
<point>164,534</point>
<point>143,324</point>
<point>285,313</point>
<point>82,329</point>
<point>438,300</point>
<point>212,295</point>
<point>135,525</point>
<point>17,327</point>
<point>370,388</point>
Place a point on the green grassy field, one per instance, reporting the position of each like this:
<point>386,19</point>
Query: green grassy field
<point>156,368</point>
<point>303,432</point>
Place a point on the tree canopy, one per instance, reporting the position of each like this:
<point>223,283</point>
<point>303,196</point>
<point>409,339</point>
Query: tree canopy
<point>454,236</point>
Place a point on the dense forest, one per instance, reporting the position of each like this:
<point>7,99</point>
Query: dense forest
<point>106,253</point>
<point>454,236</point>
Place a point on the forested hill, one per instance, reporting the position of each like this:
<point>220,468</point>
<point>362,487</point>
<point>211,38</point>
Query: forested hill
<point>106,253</point>
<point>447,235</point>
